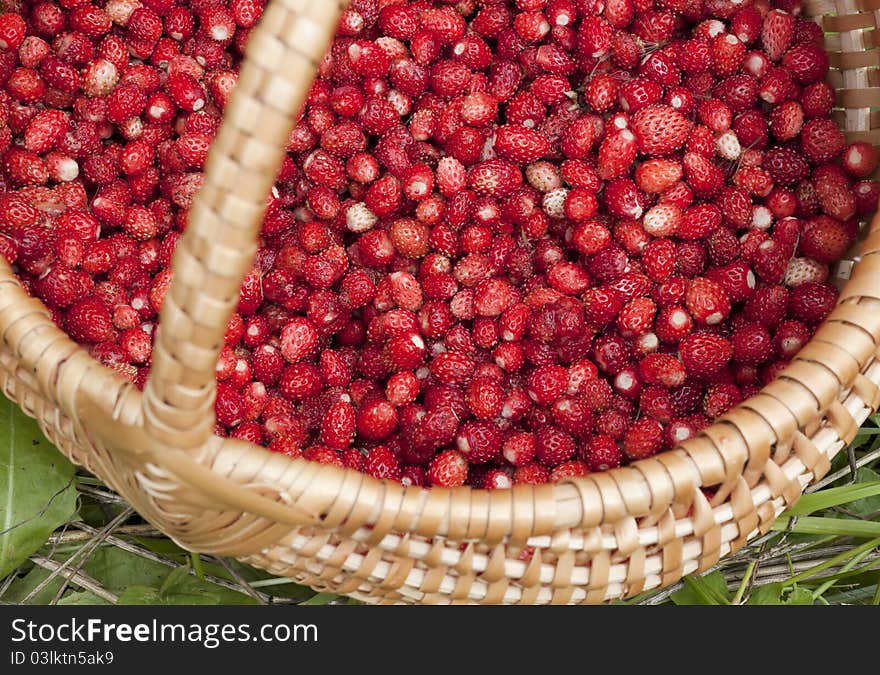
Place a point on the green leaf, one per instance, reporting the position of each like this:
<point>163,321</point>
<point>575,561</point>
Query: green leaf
<point>768,594</point>
<point>869,504</point>
<point>777,594</point>
<point>175,580</point>
<point>37,492</point>
<point>799,596</point>
<point>119,571</point>
<point>710,589</point>
<point>140,595</point>
<point>82,598</point>
<point>23,586</point>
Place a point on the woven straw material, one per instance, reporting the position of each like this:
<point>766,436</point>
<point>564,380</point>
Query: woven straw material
<point>583,540</point>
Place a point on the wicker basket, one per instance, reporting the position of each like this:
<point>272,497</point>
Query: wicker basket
<point>600,537</point>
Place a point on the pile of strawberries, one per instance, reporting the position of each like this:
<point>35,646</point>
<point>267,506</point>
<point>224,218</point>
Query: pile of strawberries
<point>512,240</point>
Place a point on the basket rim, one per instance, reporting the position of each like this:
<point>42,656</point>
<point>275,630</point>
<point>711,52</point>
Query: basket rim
<point>637,489</point>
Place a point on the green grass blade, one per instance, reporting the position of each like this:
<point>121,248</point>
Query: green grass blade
<point>833,497</point>
<point>833,562</point>
<point>835,526</point>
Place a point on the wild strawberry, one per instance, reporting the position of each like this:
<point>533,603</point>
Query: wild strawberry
<point>553,446</point>
<point>578,138</point>
<point>622,199</point>
<point>659,129</point>
<point>298,339</point>
<point>616,154</point>
<point>448,469</point>
<point>24,168</point>
<point>821,140</point>
<point>643,439</point>
<point>707,301</point>
<point>752,344</point>
<point>777,33</point>
<point>44,130</point>
<point>638,93</point>
<point>817,100</point>
<point>720,398</point>
<point>662,369</point>
<point>785,166</point>
<point>727,54</point>
<point>89,320</point>
<point>338,426</point>
<point>494,178</point>
<point>657,175</point>
<point>479,442</point>
<point>860,159</point>
<point>602,453</point>
<point>704,177</point>
<point>704,354</point>
<point>824,239</point>
<point>185,91</point>
<point>790,337</point>
<point>807,62</point>
<point>520,144</point>
<point>811,302</point>
<point>381,463</point>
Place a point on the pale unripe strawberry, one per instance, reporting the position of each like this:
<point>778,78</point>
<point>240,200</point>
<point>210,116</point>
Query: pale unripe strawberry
<point>805,270</point>
<point>99,77</point>
<point>554,202</point>
<point>728,146</point>
<point>543,176</point>
<point>359,218</point>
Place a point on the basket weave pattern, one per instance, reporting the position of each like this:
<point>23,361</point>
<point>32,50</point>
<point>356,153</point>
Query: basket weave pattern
<point>584,540</point>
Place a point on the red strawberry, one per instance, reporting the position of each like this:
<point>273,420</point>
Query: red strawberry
<point>622,199</point>
<point>808,62</point>
<point>752,344</point>
<point>662,369</point>
<point>617,154</point>
<point>777,33</point>
<point>578,138</point>
<point>594,37</point>
<point>822,140</point>
<point>707,301</point>
<point>812,302</point>
<point>553,446</point>
<point>704,354</point>
<point>787,120</point>
<point>643,438</point>
<point>637,93</point>
<point>660,129</point>
<point>657,175</point>
<point>703,176</point>
<point>835,196</point>
<point>698,222</point>
<point>785,166</point>
<point>520,145</point>
<point>44,130</point>
<point>494,178</point>
<point>727,54</point>
<point>299,339</point>
<point>448,469</point>
<point>338,426</point>
<point>790,338</point>
<point>824,239</point>
<point>89,320</point>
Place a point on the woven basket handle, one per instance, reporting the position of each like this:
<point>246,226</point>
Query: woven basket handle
<point>219,244</point>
